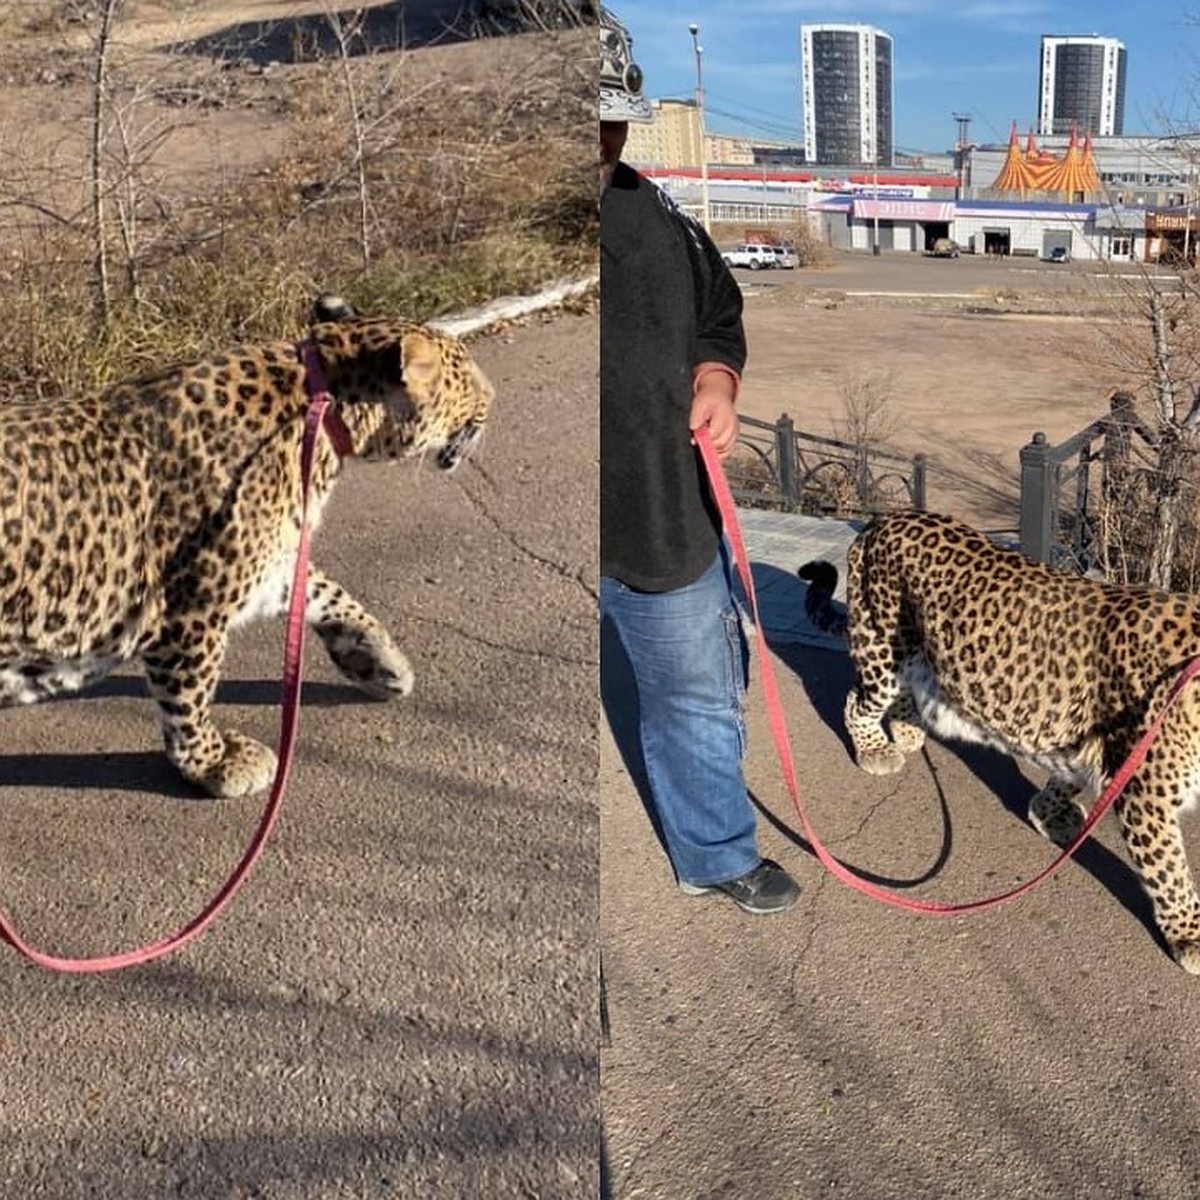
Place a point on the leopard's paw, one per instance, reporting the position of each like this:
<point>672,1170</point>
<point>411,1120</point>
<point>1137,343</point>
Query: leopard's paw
<point>1187,955</point>
<point>885,760</point>
<point>370,661</point>
<point>1057,819</point>
<point>246,767</point>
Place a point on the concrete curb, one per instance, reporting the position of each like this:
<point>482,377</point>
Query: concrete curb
<point>509,308</point>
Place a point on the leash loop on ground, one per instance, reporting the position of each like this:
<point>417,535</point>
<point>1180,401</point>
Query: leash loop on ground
<point>293,657</point>
<point>728,512</point>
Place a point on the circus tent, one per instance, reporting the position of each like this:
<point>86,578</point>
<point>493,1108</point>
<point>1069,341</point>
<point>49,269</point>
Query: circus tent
<point>1074,176</point>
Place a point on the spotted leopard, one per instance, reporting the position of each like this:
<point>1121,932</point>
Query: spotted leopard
<point>144,522</point>
<point>951,633</point>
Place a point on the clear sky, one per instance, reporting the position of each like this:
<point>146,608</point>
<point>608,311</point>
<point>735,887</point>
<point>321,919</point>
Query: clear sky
<point>979,57</point>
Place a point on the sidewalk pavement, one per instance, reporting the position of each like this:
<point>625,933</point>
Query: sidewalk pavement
<point>776,544</point>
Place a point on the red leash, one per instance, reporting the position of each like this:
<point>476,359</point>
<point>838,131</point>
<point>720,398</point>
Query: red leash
<point>728,511</point>
<point>316,418</point>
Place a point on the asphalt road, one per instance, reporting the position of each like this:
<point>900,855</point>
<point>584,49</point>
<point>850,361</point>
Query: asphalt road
<point>970,275</point>
<point>1039,1051</point>
<point>402,1001</point>
<point>1043,1049</point>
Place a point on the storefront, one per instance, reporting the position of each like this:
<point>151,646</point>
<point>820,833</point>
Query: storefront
<point>1171,235</point>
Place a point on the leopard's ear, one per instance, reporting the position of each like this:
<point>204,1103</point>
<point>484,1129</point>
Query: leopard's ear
<point>420,358</point>
<point>329,306</point>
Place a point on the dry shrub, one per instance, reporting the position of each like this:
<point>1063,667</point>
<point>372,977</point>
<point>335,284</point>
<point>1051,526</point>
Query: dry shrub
<point>449,189</point>
<point>868,415</point>
<point>1125,529</point>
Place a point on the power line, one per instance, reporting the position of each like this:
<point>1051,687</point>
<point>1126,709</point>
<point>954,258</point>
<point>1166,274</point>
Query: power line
<point>776,129</point>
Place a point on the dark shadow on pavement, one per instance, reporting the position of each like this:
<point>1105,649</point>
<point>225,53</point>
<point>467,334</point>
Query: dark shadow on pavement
<point>148,772</point>
<point>827,675</point>
<point>257,692</point>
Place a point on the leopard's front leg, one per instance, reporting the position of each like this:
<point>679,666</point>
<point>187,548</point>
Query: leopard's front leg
<point>182,670</point>
<point>358,644</point>
<point>866,705</point>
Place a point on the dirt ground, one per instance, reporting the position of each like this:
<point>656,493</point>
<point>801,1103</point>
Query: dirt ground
<point>974,358</point>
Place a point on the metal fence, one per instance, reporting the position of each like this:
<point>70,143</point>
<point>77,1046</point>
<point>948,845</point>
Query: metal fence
<point>1064,488</point>
<point>776,466</point>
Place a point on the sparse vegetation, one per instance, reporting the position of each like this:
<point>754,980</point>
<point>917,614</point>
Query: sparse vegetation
<point>221,191</point>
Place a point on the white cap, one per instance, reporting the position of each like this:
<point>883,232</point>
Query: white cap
<point>621,96</point>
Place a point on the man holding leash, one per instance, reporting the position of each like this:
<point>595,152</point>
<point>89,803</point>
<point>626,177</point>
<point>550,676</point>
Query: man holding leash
<point>672,349</point>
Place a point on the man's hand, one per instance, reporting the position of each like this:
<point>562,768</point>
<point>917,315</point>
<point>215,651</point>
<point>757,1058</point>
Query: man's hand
<point>712,405</point>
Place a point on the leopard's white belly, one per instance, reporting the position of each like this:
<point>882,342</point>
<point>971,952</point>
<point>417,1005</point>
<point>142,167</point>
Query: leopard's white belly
<point>269,596</point>
<point>943,719</point>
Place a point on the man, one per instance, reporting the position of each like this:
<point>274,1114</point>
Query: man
<point>672,350</point>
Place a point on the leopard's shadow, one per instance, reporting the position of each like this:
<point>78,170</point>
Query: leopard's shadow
<point>826,676</point>
<point>231,691</point>
<point>149,771</point>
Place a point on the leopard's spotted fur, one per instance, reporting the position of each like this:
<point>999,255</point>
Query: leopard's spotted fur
<point>950,632</point>
<point>144,522</point>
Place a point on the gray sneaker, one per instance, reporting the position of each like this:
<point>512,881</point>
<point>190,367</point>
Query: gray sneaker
<point>766,889</point>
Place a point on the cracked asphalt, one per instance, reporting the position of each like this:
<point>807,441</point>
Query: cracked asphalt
<point>402,1001</point>
<point>1042,1049</point>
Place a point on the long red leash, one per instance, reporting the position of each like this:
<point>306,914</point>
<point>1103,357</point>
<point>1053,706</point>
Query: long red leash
<point>318,417</point>
<point>728,511</point>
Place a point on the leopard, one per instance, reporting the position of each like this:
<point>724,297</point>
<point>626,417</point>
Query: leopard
<point>143,522</point>
<point>953,634</point>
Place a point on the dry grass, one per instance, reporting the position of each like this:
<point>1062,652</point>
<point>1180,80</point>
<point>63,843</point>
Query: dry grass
<point>404,187</point>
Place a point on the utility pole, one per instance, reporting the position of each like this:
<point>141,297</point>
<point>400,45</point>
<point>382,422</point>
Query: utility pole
<point>962,146</point>
<point>694,30</point>
<point>875,184</point>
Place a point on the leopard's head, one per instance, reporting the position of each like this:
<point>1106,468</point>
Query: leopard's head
<point>433,397</point>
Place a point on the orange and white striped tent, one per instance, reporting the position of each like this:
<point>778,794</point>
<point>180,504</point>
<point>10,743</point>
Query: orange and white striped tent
<point>1074,176</point>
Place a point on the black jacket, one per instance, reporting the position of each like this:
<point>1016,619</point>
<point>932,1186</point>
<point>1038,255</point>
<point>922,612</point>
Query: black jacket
<point>667,303</point>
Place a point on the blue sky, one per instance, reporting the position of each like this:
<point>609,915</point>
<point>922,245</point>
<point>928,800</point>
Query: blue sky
<point>977,56</point>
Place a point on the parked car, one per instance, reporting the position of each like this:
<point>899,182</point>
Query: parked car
<point>1059,254</point>
<point>943,248</point>
<point>786,258</point>
<point>754,255</point>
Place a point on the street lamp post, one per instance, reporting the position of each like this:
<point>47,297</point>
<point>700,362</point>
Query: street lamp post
<point>694,30</point>
<point>875,189</point>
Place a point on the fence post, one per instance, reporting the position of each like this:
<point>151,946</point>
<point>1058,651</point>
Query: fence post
<point>1039,498</point>
<point>918,482</point>
<point>785,456</point>
<point>862,477</point>
<point>1117,443</point>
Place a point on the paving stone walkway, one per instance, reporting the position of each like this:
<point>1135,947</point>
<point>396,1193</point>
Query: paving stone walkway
<point>776,544</point>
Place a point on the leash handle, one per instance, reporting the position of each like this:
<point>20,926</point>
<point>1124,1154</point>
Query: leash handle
<point>293,658</point>
<point>728,512</point>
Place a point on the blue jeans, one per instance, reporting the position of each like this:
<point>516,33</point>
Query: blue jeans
<point>689,660</point>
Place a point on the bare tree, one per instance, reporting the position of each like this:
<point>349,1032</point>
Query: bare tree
<point>347,30</point>
<point>108,17</point>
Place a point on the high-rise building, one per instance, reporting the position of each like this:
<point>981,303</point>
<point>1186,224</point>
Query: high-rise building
<point>1082,86</point>
<point>847,72</point>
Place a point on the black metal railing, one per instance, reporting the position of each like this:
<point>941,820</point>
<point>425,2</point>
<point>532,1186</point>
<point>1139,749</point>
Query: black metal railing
<point>1064,488</point>
<point>776,466</point>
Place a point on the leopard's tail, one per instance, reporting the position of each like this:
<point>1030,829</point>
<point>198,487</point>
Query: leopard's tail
<point>823,612</point>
